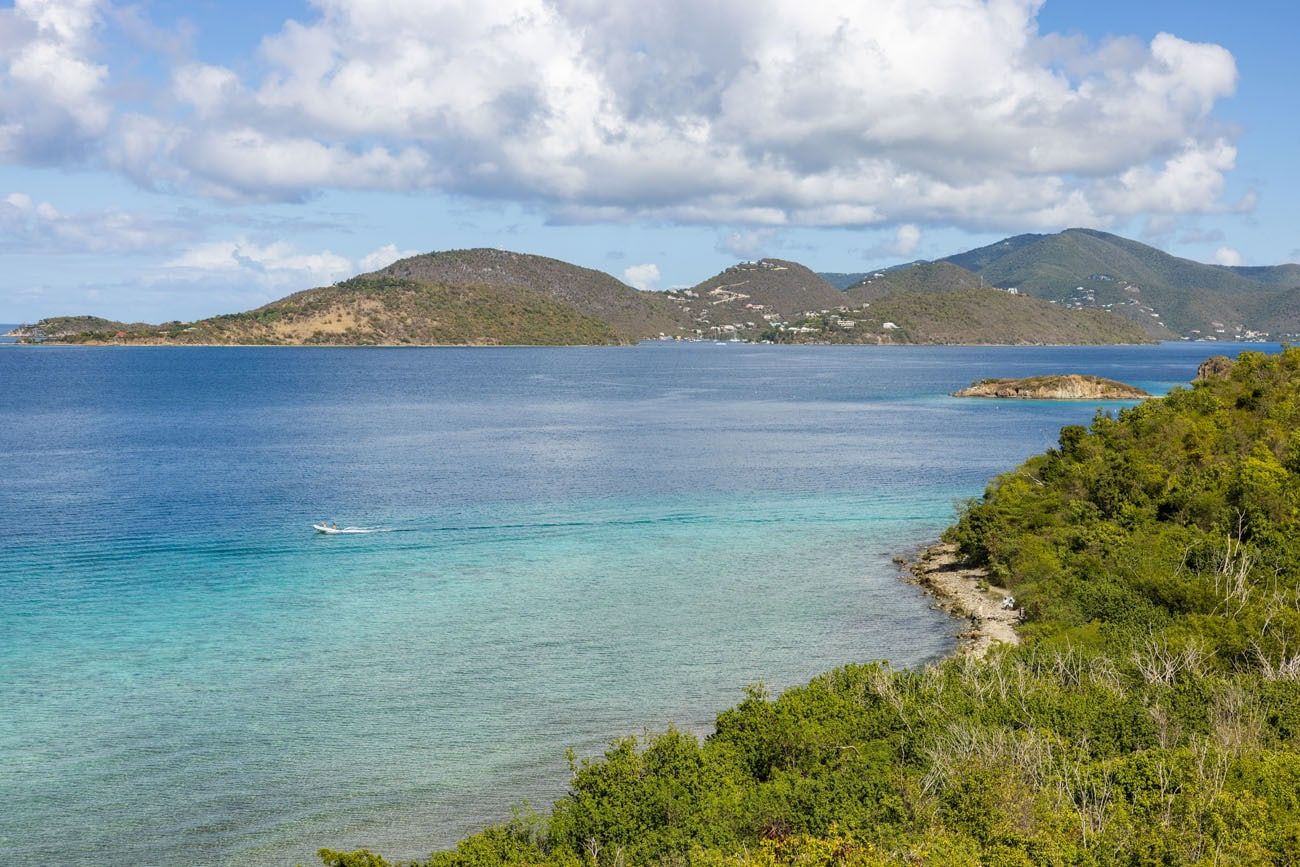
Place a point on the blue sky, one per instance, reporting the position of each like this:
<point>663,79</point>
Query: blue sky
<point>164,160</point>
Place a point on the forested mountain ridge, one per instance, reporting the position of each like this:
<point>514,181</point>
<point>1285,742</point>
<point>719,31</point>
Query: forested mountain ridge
<point>1090,268</point>
<point>922,277</point>
<point>965,317</point>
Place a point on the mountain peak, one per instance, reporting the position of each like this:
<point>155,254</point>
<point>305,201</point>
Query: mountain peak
<point>1089,268</point>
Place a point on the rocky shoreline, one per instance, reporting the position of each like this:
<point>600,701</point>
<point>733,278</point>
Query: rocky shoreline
<point>967,593</point>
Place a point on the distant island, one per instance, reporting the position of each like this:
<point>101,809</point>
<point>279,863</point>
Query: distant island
<point>1079,286</point>
<point>486,297</point>
<point>1070,386</point>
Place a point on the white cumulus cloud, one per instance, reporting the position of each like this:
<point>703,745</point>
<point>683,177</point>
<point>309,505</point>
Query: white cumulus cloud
<point>40,227</point>
<point>761,113</point>
<point>1227,256</point>
<point>769,112</point>
<point>642,276</point>
<point>746,243</point>
<point>383,257</point>
<point>276,260</point>
<point>53,100</point>
<point>272,267</point>
<point>906,239</point>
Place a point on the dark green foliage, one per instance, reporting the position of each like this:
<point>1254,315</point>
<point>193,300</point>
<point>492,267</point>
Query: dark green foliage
<point>843,279</point>
<point>1152,715</point>
<point>359,858</point>
<point>922,277</point>
<point>966,316</point>
<point>1135,279</point>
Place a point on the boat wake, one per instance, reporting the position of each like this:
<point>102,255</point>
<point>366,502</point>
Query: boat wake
<point>348,531</point>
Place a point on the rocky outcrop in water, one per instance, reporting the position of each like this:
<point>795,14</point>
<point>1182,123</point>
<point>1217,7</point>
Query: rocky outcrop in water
<point>1072,386</point>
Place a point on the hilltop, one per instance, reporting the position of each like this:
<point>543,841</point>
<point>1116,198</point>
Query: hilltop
<point>748,295</point>
<point>968,316</point>
<point>917,277</point>
<point>471,297</point>
<point>843,279</point>
<point>1086,268</point>
<point>633,314</point>
<point>60,327</point>
<point>381,310</point>
<point>486,295</point>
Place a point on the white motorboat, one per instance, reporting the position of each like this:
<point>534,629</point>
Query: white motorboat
<point>333,531</point>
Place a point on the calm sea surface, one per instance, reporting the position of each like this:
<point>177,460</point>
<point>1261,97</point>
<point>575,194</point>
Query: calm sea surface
<point>580,543</point>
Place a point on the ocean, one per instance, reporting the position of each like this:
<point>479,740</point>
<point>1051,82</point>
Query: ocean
<point>571,545</point>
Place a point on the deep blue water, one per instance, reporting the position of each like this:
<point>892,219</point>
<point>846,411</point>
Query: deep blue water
<point>581,543</point>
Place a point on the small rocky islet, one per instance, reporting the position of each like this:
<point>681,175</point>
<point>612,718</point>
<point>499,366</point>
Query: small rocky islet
<point>1070,386</point>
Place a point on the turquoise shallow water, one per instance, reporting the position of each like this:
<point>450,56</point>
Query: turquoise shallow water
<point>580,543</point>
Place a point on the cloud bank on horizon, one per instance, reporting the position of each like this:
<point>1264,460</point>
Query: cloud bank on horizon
<point>766,112</point>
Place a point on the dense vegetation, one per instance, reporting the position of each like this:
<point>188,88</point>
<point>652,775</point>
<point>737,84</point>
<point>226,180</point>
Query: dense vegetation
<point>1136,280</point>
<point>1152,715</point>
<point>844,279</point>
<point>968,316</point>
<point>921,277</point>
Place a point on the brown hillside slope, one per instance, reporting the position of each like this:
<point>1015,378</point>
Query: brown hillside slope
<point>633,314</point>
<point>368,311</point>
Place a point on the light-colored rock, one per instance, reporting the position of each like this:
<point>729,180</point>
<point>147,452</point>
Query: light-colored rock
<point>966,592</point>
<point>1071,386</point>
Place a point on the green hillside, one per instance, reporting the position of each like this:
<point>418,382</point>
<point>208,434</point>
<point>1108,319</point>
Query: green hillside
<point>1088,268</point>
<point>634,314</point>
<point>1151,715</point>
<point>386,310</point>
<point>843,279</point>
<point>921,277</point>
<point>969,316</point>
<point>480,296</point>
<point>774,286</point>
<point>60,327</point>
<point>1078,269</point>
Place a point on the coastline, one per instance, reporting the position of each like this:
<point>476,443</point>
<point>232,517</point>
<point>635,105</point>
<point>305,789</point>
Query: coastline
<point>19,341</point>
<point>966,593</point>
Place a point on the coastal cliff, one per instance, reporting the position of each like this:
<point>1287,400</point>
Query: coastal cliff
<point>1072,386</point>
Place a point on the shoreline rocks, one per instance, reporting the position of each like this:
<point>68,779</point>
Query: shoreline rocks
<point>967,593</point>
